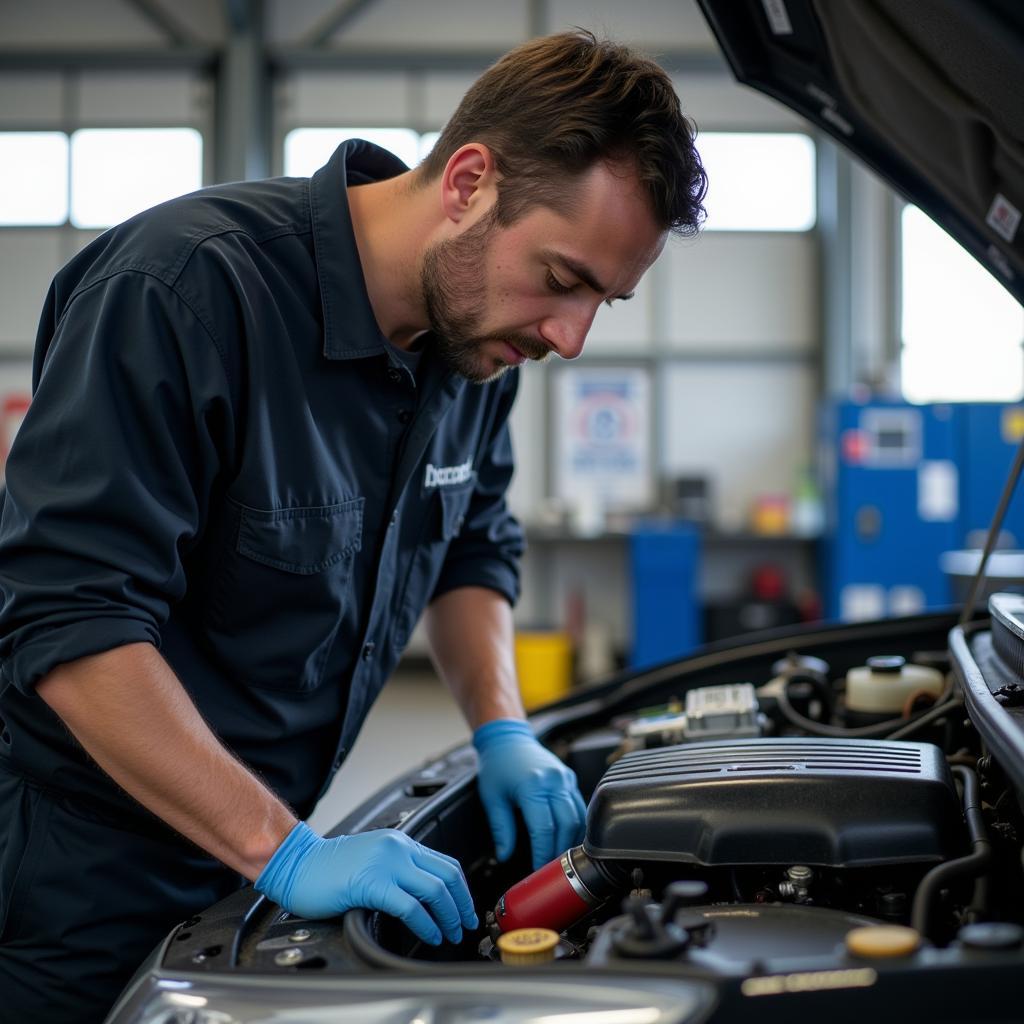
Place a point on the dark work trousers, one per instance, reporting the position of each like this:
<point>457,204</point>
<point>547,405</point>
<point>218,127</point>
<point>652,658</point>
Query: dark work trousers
<point>83,903</point>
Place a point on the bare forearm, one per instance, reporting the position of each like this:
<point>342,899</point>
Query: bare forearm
<point>471,639</point>
<point>132,715</point>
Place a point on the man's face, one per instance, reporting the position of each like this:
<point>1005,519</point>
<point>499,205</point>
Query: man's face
<point>496,296</point>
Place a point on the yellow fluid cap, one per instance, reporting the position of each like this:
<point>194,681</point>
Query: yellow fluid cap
<point>875,941</point>
<point>528,946</point>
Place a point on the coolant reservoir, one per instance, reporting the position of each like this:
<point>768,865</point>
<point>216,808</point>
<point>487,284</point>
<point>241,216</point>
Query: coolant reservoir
<point>883,685</point>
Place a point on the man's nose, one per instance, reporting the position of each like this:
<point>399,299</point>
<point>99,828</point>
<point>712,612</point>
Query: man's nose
<point>567,332</point>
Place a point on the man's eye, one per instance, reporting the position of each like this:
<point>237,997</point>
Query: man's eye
<point>556,286</point>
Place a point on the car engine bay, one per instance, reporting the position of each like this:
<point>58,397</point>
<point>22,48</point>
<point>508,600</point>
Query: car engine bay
<point>823,812</point>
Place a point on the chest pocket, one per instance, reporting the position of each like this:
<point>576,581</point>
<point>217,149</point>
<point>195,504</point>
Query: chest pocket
<point>281,591</point>
<point>305,541</point>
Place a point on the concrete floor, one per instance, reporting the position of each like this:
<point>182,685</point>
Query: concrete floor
<point>414,718</point>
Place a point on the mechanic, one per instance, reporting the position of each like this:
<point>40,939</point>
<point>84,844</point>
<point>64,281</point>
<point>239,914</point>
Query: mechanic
<point>269,429</point>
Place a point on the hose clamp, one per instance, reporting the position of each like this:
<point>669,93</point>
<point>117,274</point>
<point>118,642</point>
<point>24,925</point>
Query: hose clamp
<point>573,878</point>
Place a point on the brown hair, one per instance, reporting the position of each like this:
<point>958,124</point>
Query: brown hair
<point>554,106</point>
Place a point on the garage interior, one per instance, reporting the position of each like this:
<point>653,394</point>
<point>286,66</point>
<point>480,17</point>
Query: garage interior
<point>685,480</point>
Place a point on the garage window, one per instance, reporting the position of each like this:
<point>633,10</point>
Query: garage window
<point>308,149</point>
<point>116,173</point>
<point>33,178</point>
<point>961,331</point>
<point>759,181</point>
<point>428,140</point>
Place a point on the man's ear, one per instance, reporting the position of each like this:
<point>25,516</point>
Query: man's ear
<point>469,182</point>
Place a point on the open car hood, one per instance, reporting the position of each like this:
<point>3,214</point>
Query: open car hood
<point>929,95</point>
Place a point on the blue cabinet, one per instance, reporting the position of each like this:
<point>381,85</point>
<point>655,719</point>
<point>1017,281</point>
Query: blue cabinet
<point>904,483</point>
<point>991,434</point>
<point>663,577</point>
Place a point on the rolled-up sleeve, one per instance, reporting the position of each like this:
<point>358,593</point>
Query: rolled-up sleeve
<point>487,551</point>
<point>109,478</point>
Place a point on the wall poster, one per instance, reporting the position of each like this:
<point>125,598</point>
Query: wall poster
<point>603,438</point>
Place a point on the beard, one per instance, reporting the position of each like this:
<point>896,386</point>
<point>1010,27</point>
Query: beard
<point>454,285</point>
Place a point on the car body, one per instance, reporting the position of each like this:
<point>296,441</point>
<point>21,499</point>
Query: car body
<point>811,826</point>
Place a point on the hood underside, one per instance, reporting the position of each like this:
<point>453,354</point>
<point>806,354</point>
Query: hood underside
<point>928,95</point>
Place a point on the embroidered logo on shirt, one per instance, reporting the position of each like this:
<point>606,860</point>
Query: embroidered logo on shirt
<point>446,476</point>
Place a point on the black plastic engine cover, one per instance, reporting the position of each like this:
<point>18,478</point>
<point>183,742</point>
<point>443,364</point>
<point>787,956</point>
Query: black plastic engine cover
<point>830,802</point>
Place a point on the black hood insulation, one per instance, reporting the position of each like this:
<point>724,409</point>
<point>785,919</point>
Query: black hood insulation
<point>929,95</point>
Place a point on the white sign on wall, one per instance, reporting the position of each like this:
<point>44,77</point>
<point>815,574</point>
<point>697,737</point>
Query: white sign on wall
<point>603,446</point>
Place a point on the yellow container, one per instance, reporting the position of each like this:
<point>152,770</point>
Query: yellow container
<point>544,665</point>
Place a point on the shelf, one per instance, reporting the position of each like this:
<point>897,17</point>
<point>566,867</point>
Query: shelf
<point>710,538</point>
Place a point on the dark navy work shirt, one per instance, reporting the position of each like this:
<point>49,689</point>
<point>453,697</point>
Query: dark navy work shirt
<point>226,458</point>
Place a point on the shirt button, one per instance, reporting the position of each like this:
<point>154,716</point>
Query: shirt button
<point>368,651</point>
<point>394,375</point>
<point>394,518</point>
<point>404,415</point>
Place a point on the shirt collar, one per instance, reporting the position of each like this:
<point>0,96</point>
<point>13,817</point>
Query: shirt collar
<point>350,329</point>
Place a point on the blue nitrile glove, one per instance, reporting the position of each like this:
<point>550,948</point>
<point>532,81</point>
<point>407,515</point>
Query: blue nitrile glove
<point>516,771</point>
<point>380,870</point>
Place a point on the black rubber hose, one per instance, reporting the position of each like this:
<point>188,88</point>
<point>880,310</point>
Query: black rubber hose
<point>940,710</point>
<point>973,864</point>
<point>356,927</point>
<point>893,728</point>
<point>819,684</point>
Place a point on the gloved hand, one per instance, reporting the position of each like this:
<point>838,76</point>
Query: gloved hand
<point>516,771</point>
<point>381,870</point>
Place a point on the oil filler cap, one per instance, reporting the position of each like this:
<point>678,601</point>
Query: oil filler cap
<point>878,941</point>
<point>526,946</point>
